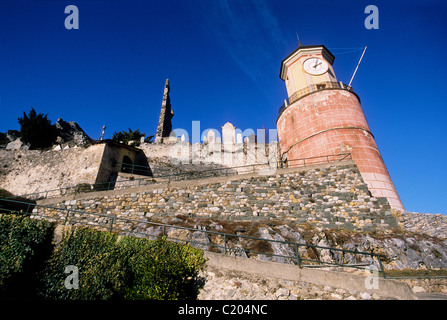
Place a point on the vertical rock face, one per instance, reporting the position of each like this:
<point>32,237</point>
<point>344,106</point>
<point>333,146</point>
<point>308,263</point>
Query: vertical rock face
<point>166,114</point>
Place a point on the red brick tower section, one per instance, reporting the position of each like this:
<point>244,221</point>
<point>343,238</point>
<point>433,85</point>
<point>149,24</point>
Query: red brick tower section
<point>326,118</point>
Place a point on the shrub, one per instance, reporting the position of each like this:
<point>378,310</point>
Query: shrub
<point>24,245</point>
<point>128,136</point>
<point>131,136</point>
<point>83,187</point>
<point>131,268</point>
<point>91,251</point>
<point>160,269</point>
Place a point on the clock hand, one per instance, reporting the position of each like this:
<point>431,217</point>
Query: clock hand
<point>317,64</point>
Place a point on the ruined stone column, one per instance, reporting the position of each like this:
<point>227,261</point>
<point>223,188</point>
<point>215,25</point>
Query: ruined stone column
<point>164,123</point>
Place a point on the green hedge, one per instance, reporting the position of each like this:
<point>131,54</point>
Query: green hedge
<point>128,268</point>
<point>160,269</point>
<point>92,252</point>
<point>110,267</point>
<point>24,245</point>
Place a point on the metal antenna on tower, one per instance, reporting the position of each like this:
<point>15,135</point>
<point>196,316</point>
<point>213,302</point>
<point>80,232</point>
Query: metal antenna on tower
<point>299,42</point>
<point>357,67</point>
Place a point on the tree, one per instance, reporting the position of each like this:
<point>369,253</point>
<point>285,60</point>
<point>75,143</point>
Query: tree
<point>131,136</point>
<point>37,130</point>
<point>149,139</point>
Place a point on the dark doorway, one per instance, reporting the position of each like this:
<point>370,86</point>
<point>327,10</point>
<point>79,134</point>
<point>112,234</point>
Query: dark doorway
<point>127,165</point>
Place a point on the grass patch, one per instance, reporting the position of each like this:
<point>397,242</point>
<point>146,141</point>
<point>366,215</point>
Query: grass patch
<point>416,273</point>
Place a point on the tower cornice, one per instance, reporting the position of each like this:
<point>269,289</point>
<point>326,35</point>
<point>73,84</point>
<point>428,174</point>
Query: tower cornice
<point>303,51</point>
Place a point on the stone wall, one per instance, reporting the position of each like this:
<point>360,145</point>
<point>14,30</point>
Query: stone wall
<point>212,149</point>
<point>401,249</point>
<point>433,225</point>
<point>236,278</point>
<point>181,156</point>
<point>25,172</point>
<point>233,285</point>
<point>427,285</point>
<point>324,205</point>
<point>331,195</point>
<point>59,171</point>
<point>159,158</point>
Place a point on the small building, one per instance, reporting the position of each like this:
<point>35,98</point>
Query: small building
<point>120,159</point>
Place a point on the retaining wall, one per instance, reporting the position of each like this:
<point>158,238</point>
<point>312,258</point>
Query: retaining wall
<point>25,172</point>
<point>332,195</point>
<point>230,277</point>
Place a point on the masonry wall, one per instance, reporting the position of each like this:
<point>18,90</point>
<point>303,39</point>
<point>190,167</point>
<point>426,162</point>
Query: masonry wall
<point>332,196</point>
<point>208,154</point>
<point>236,278</point>
<point>32,171</point>
<point>25,172</point>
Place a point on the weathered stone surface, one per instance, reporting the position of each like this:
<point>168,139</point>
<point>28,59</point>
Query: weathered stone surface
<point>71,133</point>
<point>325,205</point>
<point>224,285</point>
<point>164,124</point>
<point>25,172</point>
<point>293,196</point>
<point>430,224</point>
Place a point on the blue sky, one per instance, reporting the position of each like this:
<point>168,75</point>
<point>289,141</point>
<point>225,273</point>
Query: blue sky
<point>223,59</point>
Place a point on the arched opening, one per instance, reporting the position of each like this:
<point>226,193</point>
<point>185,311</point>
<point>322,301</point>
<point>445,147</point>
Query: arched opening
<point>127,165</point>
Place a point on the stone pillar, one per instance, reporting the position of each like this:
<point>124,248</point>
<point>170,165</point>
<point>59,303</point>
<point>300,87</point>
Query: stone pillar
<point>251,149</point>
<point>211,137</point>
<point>239,151</point>
<point>228,133</point>
<point>228,138</point>
<point>164,123</point>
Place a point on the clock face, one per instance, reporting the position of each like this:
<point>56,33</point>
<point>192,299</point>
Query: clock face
<point>315,66</point>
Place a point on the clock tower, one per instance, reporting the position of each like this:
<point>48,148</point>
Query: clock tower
<point>307,66</point>
<point>323,117</point>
